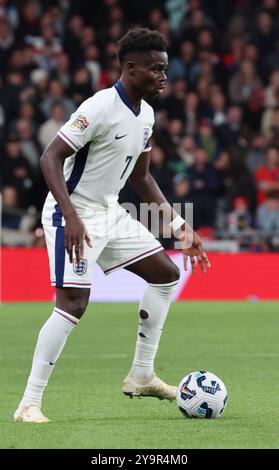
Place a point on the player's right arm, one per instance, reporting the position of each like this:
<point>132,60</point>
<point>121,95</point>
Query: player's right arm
<point>51,163</point>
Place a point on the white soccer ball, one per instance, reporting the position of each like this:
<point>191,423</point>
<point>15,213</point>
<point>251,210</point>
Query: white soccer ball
<point>201,395</point>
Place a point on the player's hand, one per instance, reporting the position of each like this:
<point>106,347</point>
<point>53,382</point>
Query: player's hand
<point>193,252</point>
<point>74,235</point>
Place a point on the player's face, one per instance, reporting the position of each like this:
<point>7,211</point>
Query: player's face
<point>149,76</point>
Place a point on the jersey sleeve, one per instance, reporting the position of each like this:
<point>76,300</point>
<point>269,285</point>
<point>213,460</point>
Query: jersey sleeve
<point>148,146</point>
<point>84,124</point>
<point>148,134</point>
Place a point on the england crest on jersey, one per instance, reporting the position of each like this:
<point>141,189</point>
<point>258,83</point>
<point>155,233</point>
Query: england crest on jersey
<point>81,267</point>
<point>145,136</point>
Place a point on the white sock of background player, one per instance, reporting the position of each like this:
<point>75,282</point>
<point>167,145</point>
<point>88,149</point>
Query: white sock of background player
<point>153,310</point>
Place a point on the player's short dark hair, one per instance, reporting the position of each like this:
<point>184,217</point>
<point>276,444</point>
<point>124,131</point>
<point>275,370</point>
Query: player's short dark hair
<point>140,40</point>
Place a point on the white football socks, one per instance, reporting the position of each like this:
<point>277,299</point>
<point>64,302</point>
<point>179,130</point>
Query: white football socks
<point>153,310</point>
<point>52,339</point>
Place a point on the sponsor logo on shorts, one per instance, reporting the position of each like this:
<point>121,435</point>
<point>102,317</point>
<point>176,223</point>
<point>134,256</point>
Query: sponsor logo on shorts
<point>81,267</point>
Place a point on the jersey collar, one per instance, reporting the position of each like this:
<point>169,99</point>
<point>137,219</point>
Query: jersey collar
<point>123,95</point>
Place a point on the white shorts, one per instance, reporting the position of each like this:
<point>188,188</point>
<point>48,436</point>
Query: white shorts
<point>127,242</point>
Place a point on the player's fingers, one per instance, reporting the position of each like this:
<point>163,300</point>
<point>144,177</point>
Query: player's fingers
<point>88,240</point>
<point>207,262</point>
<point>200,250</point>
<point>193,264</point>
<point>79,250</point>
<point>202,263</point>
<point>185,261</point>
<point>69,248</point>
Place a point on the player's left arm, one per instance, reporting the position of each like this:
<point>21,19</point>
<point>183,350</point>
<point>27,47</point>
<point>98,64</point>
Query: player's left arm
<point>148,191</point>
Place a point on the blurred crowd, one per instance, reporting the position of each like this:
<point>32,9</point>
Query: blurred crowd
<point>216,138</point>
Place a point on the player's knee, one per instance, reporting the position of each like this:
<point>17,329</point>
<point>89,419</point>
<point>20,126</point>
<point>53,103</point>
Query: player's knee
<point>79,303</point>
<point>79,306</point>
<point>173,274</point>
<point>73,301</point>
<point>168,275</point>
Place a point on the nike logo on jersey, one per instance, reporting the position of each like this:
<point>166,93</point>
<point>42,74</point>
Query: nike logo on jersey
<point>117,137</point>
<point>51,363</point>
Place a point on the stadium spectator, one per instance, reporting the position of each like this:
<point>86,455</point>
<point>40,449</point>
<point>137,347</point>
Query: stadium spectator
<point>224,174</point>
<point>17,172</point>
<point>181,190</point>
<point>268,214</point>
<point>207,140</point>
<point>239,221</point>
<point>186,151</point>
<point>256,153</point>
<point>50,127</point>
<point>270,122</point>
<point>155,17</point>
<point>203,187</point>
<point>13,86</point>
<point>271,91</point>
<point>185,66</point>
<point>72,40</point>
<point>181,197</point>
<point>30,146</point>
<point>17,223</point>
<point>159,170</point>
<point>88,37</point>
<point>45,47</point>
<point>264,37</point>
<point>268,175</point>
<point>175,133</point>
<point>62,71</point>
<point>80,88</point>
<point>174,101</point>
<point>40,80</point>
<point>243,83</point>
<point>10,11</point>
<point>191,113</point>
<point>6,43</point>
<point>28,113</point>
<point>217,107</point>
<point>229,130</point>
<point>271,61</point>
<point>92,64</point>
<point>195,20</point>
<point>56,93</point>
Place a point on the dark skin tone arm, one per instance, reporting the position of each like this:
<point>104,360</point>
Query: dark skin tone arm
<point>148,191</point>
<point>51,164</point>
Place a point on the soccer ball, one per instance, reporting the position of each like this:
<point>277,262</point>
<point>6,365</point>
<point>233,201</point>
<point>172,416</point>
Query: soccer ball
<point>201,395</point>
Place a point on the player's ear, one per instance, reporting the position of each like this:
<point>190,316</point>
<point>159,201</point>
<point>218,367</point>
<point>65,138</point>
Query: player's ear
<point>130,64</point>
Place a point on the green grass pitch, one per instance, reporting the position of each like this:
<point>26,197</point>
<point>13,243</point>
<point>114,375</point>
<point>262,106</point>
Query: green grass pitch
<point>237,341</point>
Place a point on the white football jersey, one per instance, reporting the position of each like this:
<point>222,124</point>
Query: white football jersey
<point>107,136</point>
